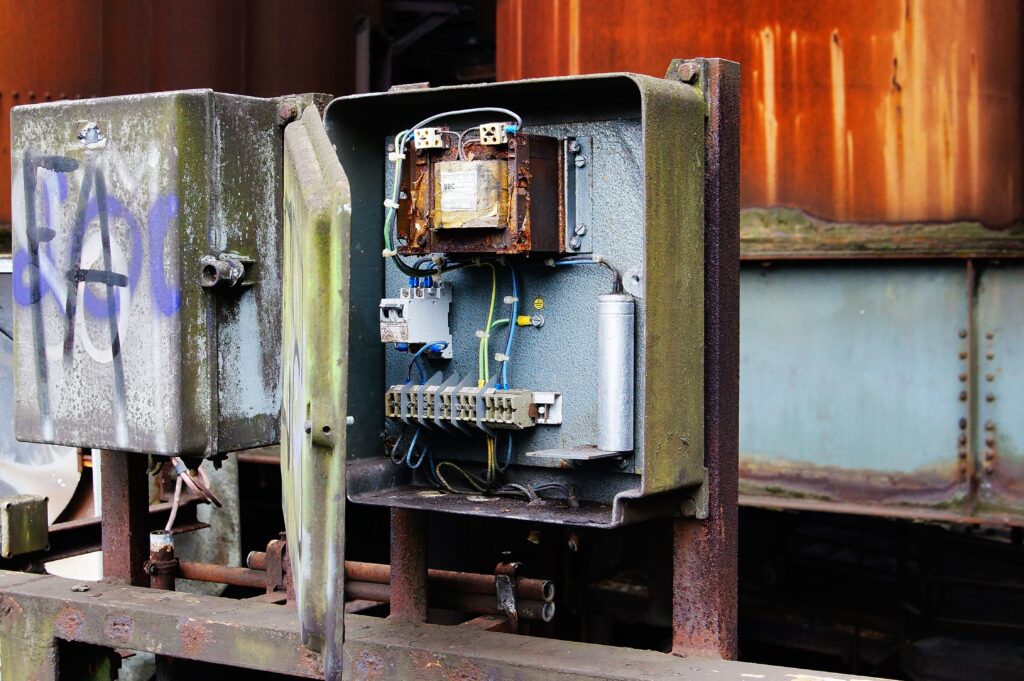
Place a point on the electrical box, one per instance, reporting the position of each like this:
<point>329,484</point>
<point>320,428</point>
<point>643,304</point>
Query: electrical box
<point>147,272</point>
<point>532,253</point>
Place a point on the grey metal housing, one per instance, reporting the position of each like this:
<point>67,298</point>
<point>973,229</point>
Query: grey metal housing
<point>647,195</point>
<point>116,203</point>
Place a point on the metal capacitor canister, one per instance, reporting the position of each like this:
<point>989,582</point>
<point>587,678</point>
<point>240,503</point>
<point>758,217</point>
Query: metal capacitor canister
<point>615,352</point>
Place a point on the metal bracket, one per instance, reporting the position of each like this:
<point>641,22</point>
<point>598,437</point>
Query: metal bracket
<point>505,589</point>
<point>224,271</point>
<point>576,183</point>
<point>275,565</point>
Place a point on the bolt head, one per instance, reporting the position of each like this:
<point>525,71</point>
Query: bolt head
<point>287,111</point>
<point>574,147</point>
<point>574,243</point>
<point>688,72</point>
<point>581,229</point>
<point>580,161</point>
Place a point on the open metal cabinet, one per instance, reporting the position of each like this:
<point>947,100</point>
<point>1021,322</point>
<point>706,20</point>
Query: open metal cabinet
<point>562,231</point>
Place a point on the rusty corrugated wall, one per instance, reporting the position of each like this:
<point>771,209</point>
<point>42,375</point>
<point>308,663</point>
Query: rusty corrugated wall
<point>78,48</point>
<point>886,111</point>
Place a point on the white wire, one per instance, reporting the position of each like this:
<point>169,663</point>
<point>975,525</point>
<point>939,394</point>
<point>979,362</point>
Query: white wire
<point>174,504</point>
<point>466,112</point>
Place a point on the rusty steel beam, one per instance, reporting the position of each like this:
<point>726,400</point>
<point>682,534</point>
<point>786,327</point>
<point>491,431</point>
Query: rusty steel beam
<point>125,517</point>
<point>704,595</point>
<point>408,565</point>
<point>38,610</point>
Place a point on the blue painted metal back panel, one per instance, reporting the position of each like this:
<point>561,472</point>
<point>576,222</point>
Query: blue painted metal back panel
<point>850,381</point>
<point>1000,432</point>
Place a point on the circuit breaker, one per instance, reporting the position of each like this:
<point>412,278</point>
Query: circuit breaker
<point>532,255</point>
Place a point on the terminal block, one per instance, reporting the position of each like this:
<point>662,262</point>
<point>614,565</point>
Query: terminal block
<point>419,316</point>
<point>428,138</point>
<point>447,404</point>
<point>493,133</point>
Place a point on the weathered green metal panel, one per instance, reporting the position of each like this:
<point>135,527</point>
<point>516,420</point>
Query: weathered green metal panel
<point>314,374</point>
<point>23,525</point>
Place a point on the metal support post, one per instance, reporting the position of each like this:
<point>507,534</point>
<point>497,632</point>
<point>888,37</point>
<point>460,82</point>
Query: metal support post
<point>125,517</point>
<point>705,554</point>
<point>408,565</point>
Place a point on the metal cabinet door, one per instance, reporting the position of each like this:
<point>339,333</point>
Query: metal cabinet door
<point>317,217</point>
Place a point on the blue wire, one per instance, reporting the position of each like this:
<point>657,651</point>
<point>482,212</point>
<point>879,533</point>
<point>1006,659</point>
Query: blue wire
<point>409,454</point>
<point>574,262</point>
<point>512,323</point>
<point>437,346</point>
<point>508,456</point>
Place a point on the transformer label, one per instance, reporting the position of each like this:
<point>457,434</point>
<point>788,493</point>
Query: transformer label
<point>458,190</point>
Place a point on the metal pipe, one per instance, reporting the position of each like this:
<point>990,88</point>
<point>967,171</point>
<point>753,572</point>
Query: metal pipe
<point>222,574</point>
<point>162,564</point>
<point>615,352</point>
<point>477,604</point>
<point>441,580</point>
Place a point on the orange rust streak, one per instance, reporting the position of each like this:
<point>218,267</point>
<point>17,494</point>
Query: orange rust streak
<point>915,114</point>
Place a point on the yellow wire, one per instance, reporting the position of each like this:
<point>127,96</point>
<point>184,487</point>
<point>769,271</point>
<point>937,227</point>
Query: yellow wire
<point>469,477</point>
<point>483,365</point>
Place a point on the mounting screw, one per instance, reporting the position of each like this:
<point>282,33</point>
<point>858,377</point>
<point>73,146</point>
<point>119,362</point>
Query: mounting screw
<point>287,110</point>
<point>688,72</point>
<point>574,243</point>
<point>91,134</point>
<point>580,161</point>
<point>574,147</point>
<point>580,230</point>
<point>308,426</point>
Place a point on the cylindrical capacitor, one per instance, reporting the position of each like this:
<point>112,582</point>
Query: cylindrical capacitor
<point>615,359</point>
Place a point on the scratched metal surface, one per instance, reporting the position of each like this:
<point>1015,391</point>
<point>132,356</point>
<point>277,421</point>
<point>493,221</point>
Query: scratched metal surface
<point>174,176</point>
<point>851,385</point>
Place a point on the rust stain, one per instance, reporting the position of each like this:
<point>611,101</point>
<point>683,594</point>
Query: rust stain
<point>464,671</point>
<point>369,666</point>
<point>887,112</point>
<point>937,487</point>
<point>119,628</point>
<point>10,609</point>
<point>309,661</point>
<point>424,660</point>
<point>68,621</point>
<point>194,637</point>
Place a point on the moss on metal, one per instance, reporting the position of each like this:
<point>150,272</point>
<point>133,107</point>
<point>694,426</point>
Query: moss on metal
<point>789,233</point>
